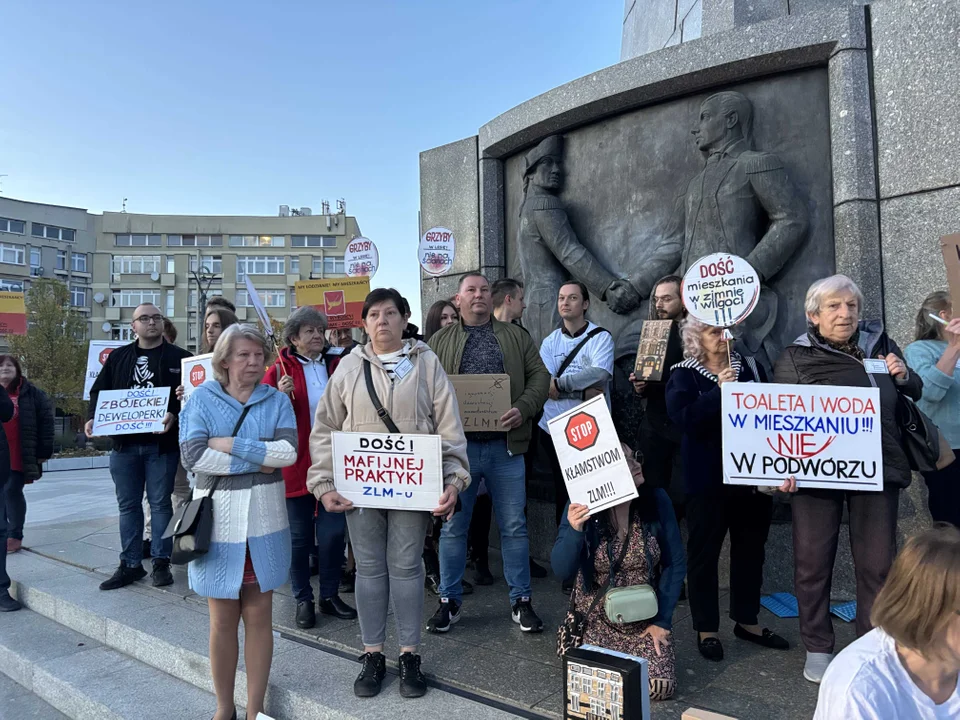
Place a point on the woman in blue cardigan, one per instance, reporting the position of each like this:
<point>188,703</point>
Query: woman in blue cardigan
<point>588,547</point>
<point>235,434</point>
<point>713,508</point>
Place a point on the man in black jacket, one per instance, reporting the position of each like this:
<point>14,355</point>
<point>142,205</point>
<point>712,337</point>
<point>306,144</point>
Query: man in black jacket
<point>146,460</point>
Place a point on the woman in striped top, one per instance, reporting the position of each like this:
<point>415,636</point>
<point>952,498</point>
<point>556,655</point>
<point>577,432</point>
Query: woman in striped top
<point>235,434</point>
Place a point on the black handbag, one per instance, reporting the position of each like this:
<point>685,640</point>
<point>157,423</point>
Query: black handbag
<point>192,525</point>
<point>922,442</point>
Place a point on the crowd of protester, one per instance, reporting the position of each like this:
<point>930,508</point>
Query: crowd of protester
<point>257,439</point>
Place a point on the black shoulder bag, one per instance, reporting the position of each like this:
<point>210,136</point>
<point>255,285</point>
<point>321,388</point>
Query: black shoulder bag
<point>586,394</point>
<point>192,525</point>
<point>377,405</point>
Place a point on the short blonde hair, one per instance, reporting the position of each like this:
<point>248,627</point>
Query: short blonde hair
<point>922,593</point>
<point>223,350</point>
<point>828,287</point>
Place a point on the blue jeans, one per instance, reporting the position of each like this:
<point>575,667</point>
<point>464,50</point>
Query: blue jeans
<point>4,578</point>
<point>506,482</point>
<point>135,468</point>
<point>329,529</point>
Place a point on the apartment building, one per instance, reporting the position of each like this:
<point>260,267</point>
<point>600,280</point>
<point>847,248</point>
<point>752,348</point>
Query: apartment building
<point>172,260</point>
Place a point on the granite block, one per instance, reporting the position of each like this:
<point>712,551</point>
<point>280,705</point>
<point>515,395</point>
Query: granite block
<point>851,128</point>
<point>718,16</point>
<point>748,12</point>
<point>647,27</point>
<point>18,703</point>
<point>910,231</point>
<point>491,213</point>
<point>915,66</point>
<point>856,228</point>
<point>28,567</point>
<point>27,638</point>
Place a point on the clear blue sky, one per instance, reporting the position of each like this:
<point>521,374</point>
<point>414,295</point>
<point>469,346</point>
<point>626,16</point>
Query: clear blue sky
<point>234,108</point>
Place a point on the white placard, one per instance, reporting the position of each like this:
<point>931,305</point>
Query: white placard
<point>382,470</point>
<point>194,371</point>
<point>96,356</point>
<point>361,258</point>
<point>436,251</point>
<point>591,459</point>
<point>720,289</point>
<point>258,306</point>
<point>827,437</point>
<point>125,412</point>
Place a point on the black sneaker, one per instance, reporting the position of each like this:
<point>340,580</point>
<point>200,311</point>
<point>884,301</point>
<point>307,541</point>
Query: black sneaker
<point>446,615</point>
<point>412,682</point>
<point>370,679</point>
<point>123,577</point>
<point>432,583</point>
<point>8,604</point>
<point>161,573</point>
<point>525,617</point>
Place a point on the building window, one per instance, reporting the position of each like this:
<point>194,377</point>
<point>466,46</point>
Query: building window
<point>78,296</point>
<point>194,240</point>
<point>132,298</point>
<point>13,254</point>
<point>137,240</point>
<point>269,298</point>
<point>211,263</point>
<point>34,257</point>
<point>193,298</point>
<point>122,332</point>
<point>320,241</point>
<point>295,264</point>
<point>256,241</point>
<point>170,303</point>
<point>171,264</point>
<point>259,265</point>
<point>134,264</point>
<point>12,226</point>
<point>79,262</point>
<point>62,260</point>
<point>52,232</point>
<point>11,285</point>
<point>329,265</point>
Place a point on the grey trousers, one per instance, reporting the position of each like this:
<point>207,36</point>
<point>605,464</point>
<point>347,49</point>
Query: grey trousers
<point>387,545</point>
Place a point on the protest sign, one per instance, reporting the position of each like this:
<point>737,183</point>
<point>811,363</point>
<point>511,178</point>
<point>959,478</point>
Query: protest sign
<point>656,342</point>
<point>950,247</point>
<point>125,412</point>
<point>591,459</point>
<point>257,302</point>
<point>361,258</point>
<point>382,470</point>
<point>194,372</point>
<point>720,289</point>
<point>483,400</point>
<point>603,683</point>
<point>437,250</point>
<point>13,314</point>
<point>341,300</point>
<point>827,437</point>
<point>97,353</point>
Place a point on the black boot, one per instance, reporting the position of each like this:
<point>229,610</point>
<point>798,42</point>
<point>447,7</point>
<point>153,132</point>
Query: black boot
<point>337,607</point>
<point>161,573</point>
<point>123,577</point>
<point>306,617</point>
<point>370,679</point>
<point>412,682</point>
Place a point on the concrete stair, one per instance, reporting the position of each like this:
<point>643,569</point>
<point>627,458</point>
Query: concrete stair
<point>151,639</point>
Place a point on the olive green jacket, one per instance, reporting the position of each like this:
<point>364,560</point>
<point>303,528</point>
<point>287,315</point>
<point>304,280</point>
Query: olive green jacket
<point>529,378</point>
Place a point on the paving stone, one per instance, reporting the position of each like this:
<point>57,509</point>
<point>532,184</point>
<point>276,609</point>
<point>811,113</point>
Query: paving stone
<point>18,703</point>
<point>25,634</point>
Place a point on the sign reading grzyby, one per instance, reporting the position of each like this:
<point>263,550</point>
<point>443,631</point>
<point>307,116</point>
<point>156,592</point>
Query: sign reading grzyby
<point>97,354</point>
<point>436,251</point>
<point>341,300</point>
<point>382,470</point>
<point>124,412</point>
<point>826,437</point>
<point>720,289</point>
<point>591,459</point>
<point>361,258</point>
<point>483,400</point>
<point>194,371</point>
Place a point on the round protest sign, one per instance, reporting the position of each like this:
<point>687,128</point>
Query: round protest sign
<point>361,258</point>
<point>436,251</point>
<point>720,289</point>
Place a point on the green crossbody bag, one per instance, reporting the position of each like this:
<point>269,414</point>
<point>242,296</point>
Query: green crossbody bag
<point>632,603</point>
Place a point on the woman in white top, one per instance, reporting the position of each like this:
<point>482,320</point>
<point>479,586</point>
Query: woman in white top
<point>907,667</point>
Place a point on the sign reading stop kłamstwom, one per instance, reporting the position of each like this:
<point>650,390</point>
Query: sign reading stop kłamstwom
<point>194,371</point>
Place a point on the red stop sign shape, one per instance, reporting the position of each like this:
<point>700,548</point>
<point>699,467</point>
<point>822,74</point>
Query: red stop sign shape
<point>197,375</point>
<point>104,354</point>
<point>582,431</point>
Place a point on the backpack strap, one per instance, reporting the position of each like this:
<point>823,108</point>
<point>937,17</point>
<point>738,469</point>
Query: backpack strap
<point>569,358</point>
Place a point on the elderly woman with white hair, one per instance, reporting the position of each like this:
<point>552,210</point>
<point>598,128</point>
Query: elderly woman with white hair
<point>693,402</point>
<point>235,433</point>
<point>832,352</point>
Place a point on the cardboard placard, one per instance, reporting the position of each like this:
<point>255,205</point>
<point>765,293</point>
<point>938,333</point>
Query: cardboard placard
<point>602,683</point>
<point>656,342</point>
<point>132,411</point>
<point>483,400</point>
<point>591,459</point>
<point>826,436</point>
<point>720,289</point>
<point>97,354</point>
<point>194,371</point>
<point>341,300</point>
<point>383,470</point>
<point>13,314</point>
<point>950,247</point>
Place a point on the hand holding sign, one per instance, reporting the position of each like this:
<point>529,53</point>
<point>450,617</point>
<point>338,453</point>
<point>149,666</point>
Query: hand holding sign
<point>511,419</point>
<point>895,366</point>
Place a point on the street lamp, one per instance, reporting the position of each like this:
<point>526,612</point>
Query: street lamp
<point>204,278</point>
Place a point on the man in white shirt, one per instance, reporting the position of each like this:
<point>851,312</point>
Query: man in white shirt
<point>587,374</point>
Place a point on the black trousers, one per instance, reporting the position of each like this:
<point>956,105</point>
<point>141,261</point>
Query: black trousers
<point>746,514</point>
<point>662,465</point>
<point>944,487</point>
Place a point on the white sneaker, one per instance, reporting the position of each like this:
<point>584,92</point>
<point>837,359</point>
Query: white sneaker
<point>816,666</point>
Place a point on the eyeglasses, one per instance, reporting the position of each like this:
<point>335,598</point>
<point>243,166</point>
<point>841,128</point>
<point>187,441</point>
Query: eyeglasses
<point>145,319</point>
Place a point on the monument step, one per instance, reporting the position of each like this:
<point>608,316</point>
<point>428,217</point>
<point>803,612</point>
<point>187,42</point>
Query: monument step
<point>82,679</point>
<point>18,702</point>
<point>164,631</point>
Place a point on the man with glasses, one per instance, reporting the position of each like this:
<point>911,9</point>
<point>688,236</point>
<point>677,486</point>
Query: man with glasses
<point>146,461</point>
